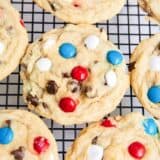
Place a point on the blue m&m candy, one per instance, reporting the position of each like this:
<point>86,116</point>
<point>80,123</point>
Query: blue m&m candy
<point>154,94</point>
<point>150,126</point>
<point>6,135</point>
<point>114,57</point>
<point>67,50</point>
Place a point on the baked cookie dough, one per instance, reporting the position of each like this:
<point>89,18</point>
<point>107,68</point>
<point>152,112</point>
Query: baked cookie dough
<point>152,7</point>
<point>74,75</point>
<point>82,11</point>
<point>13,38</point>
<point>23,136</point>
<point>129,137</point>
<point>145,74</point>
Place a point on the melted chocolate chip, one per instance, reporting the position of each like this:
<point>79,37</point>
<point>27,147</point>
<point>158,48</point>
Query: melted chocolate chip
<point>131,66</point>
<point>94,140</point>
<point>33,100</point>
<point>8,122</point>
<point>74,86</point>
<point>52,6</point>
<point>74,90</point>
<point>89,70</point>
<point>18,153</point>
<point>105,83</point>
<point>101,29</point>
<point>45,105</point>
<point>51,87</point>
<point>23,67</point>
<point>96,61</point>
<point>65,75</point>
<point>89,91</point>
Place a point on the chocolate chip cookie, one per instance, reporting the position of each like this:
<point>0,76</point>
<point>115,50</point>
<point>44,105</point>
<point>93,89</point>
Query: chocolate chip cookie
<point>13,38</point>
<point>152,7</point>
<point>74,75</point>
<point>82,11</point>
<point>23,136</point>
<point>145,74</point>
<point>129,137</point>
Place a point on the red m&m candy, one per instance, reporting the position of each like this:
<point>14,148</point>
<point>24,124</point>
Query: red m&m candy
<point>67,104</point>
<point>107,123</point>
<point>40,144</point>
<point>137,150</point>
<point>79,73</point>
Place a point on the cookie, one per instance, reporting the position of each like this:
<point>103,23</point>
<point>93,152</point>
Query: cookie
<point>24,136</point>
<point>129,137</point>
<point>145,74</point>
<point>152,7</point>
<point>13,39</point>
<point>73,75</point>
<point>82,11</point>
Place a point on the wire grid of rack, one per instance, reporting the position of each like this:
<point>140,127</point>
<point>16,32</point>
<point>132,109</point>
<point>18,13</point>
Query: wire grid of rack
<point>126,30</point>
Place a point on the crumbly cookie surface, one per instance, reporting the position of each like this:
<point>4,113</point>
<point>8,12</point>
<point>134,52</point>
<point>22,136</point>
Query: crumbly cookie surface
<point>146,80</point>
<point>23,136</point>
<point>152,7</point>
<point>13,38</point>
<point>74,75</point>
<point>82,11</point>
<point>128,137</point>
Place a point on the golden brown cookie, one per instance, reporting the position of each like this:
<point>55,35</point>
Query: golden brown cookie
<point>13,38</point>
<point>145,74</point>
<point>129,137</point>
<point>74,75</point>
<point>82,11</point>
<point>24,136</point>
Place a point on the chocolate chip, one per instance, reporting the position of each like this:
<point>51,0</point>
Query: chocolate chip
<point>74,86</point>
<point>89,91</point>
<point>96,61</point>
<point>55,6</point>
<point>65,75</point>
<point>45,105</point>
<point>8,122</point>
<point>74,90</point>
<point>105,83</point>
<point>94,140</point>
<point>23,67</point>
<point>33,100</point>
<point>51,87</point>
<point>131,66</point>
<point>18,153</point>
<point>101,29</point>
<point>89,70</point>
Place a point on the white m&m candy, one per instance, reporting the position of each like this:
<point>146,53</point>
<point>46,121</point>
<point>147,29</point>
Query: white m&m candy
<point>91,42</point>
<point>95,152</point>
<point>44,64</point>
<point>2,47</point>
<point>111,78</point>
<point>155,63</point>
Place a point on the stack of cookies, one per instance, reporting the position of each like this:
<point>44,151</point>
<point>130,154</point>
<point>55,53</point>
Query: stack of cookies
<point>74,75</point>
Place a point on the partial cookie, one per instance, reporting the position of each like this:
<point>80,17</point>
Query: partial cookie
<point>13,39</point>
<point>152,7</point>
<point>74,75</point>
<point>145,74</point>
<point>82,11</point>
<point>129,137</point>
<point>23,136</point>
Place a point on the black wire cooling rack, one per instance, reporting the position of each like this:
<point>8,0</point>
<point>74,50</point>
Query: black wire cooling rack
<point>126,30</point>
